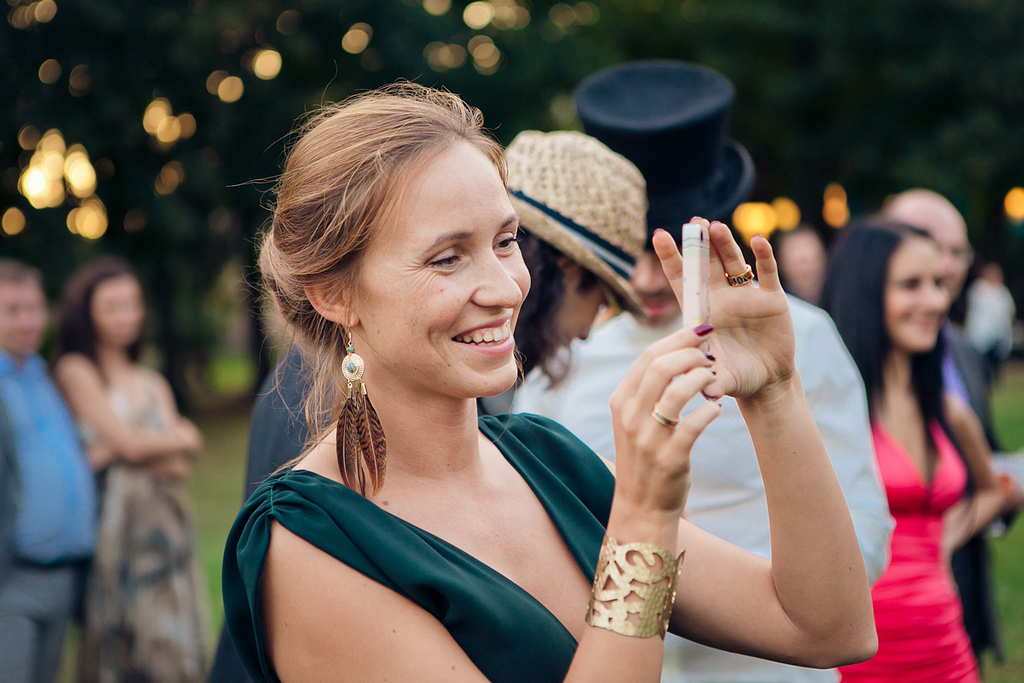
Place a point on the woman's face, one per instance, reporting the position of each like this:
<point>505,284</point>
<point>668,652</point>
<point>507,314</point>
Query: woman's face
<point>581,304</point>
<point>439,292</point>
<point>117,311</point>
<point>916,298</point>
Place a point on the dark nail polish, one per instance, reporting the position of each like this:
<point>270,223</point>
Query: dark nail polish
<point>713,372</point>
<point>703,330</point>
<point>710,356</point>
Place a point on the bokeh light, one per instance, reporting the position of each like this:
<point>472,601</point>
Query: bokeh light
<point>79,173</point>
<point>486,54</point>
<point>1013,204</point>
<point>835,210</point>
<point>478,14</point>
<point>79,82</point>
<point>49,71</point>
<point>89,220</point>
<point>42,180</point>
<point>214,79</point>
<point>437,7</point>
<point>787,213</point>
<point>357,38</point>
<point>230,89</point>
<point>13,221</point>
<point>171,176</point>
<point>754,218</point>
<point>266,64</point>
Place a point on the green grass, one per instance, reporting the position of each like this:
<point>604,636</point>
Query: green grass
<point>1008,551</point>
<point>216,489</point>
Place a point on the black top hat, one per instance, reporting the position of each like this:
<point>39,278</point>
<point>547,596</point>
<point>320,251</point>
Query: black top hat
<point>670,118</point>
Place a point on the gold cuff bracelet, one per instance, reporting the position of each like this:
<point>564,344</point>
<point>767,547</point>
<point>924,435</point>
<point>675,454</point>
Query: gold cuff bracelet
<point>634,589</point>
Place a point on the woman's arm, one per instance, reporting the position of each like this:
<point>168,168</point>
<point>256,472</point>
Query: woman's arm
<point>974,514</point>
<point>810,604</point>
<point>83,389</point>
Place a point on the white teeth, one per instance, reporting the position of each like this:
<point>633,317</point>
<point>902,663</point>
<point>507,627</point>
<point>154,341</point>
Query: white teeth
<point>489,335</point>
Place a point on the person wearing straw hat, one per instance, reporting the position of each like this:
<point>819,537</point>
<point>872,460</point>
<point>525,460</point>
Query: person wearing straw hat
<point>670,119</point>
<point>582,209</point>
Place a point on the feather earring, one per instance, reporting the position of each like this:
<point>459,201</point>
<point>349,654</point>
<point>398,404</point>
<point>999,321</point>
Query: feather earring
<point>362,451</point>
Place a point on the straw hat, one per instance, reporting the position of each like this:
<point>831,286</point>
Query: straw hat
<point>583,199</point>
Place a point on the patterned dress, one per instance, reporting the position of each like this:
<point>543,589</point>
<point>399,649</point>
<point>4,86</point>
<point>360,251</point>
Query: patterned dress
<point>145,602</point>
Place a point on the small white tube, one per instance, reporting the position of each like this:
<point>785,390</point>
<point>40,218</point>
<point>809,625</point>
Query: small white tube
<point>696,249</point>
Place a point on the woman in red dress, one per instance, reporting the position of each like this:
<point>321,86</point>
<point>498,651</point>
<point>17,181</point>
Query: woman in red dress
<point>885,291</point>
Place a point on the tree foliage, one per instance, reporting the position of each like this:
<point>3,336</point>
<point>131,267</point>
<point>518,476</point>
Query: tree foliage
<point>879,95</point>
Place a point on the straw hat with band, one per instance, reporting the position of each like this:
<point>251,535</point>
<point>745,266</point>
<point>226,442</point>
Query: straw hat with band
<point>670,119</point>
<point>583,199</point>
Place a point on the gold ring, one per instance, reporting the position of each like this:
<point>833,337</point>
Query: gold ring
<point>664,419</point>
<point>742,279</point>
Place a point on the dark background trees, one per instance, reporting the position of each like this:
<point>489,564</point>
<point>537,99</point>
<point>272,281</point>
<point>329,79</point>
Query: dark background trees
<point>878,95</point>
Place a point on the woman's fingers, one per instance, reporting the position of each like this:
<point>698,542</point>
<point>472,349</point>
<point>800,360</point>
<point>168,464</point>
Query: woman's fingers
<point>680,339</point>
<point>694,424</point>
<point>729,252</point>
<point>767,267</point>
<point>668,253</point>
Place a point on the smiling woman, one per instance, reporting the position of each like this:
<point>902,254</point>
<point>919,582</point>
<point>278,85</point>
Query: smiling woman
<point>393,258</point>
<point>887,293</point>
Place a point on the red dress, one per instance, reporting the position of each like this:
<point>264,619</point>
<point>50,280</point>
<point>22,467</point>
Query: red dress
<point>921,635</point>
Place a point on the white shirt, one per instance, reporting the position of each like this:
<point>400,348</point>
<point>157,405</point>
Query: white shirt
<point>727,494</point>
<point>990,314</point>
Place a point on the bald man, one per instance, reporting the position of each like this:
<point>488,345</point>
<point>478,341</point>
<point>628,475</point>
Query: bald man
<point>963,373</point>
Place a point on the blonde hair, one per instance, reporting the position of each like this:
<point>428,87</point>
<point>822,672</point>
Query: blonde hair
<point>342,182</point>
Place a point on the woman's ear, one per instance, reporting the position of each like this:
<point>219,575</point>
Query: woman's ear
<point>331,305</point>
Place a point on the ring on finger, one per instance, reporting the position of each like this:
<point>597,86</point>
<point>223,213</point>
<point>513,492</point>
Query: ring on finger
<point>741,279</point>
<point>664,419</point>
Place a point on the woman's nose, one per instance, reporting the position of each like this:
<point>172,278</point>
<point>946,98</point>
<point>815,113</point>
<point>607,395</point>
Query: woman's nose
<point>503,283</point>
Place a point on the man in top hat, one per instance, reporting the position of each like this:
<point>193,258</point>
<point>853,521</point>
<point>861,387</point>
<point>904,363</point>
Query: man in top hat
<point>670,118</point>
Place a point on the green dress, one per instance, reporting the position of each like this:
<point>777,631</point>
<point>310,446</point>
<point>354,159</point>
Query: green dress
<point>507,633</point>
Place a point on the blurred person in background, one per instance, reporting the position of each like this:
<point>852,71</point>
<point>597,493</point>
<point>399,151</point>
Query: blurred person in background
<point>990,316</point>
<point>669,118</point>
<point>885,291</point>
<point>802,261</point>
<point>964,376</point>
<point>47,491</point>
<point>145,607</point>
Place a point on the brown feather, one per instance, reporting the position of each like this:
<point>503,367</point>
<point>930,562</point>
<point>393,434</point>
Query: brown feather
<point>373,445</point>
<point>347,444</point>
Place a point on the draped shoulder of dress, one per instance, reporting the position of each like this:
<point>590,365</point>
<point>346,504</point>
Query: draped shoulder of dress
<point>508,634</point>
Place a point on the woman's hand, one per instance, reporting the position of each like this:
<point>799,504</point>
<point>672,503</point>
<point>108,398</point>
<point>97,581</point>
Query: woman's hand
<point>653,459</point>
<point>753,344</point>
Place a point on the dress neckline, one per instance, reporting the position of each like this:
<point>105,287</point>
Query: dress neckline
<point>494,437</point>
<point>934,430</point>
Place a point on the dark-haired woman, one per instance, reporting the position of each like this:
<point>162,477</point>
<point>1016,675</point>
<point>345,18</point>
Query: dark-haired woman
<point>886,294</point>
<point>144,608</point>
<point>582,213</point>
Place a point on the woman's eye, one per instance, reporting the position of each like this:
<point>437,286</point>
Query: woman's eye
<point>508,242</point>
<point>444,261</point>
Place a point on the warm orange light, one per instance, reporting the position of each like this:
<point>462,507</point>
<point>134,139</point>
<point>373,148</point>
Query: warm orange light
<point>230,89</point>
<point>267,64</point>
<point>787,213</point>
<point>754,218</point>
<point>1013,204</point>
<point>13,221</point>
